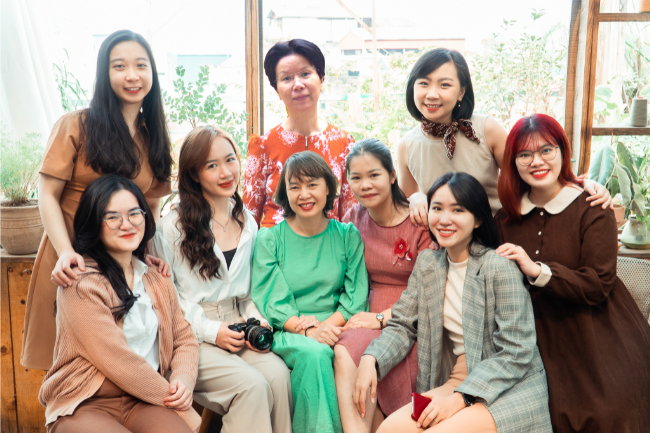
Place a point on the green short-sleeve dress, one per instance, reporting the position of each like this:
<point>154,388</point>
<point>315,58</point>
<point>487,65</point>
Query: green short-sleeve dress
<point>318,275</point>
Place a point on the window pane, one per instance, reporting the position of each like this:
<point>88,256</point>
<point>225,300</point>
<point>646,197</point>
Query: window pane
<point>188,34</point>
<point>516,54</point>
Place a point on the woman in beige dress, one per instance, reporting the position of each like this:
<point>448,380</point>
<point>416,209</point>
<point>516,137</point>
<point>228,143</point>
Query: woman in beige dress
<point>450,137</point>
<point>122,132</point>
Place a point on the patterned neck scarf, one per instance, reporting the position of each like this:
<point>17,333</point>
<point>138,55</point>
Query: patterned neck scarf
<point>448,132</point>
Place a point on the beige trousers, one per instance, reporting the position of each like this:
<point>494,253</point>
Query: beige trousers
<point>473,419</point>
<point>251,390</point>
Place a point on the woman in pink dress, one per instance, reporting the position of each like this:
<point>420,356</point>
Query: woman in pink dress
<point>392,243</point>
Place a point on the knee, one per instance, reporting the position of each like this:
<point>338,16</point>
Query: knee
<point>342,357</point>
<point>320,352</point>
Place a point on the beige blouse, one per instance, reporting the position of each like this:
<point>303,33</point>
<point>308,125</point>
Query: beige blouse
<point>427,159</point>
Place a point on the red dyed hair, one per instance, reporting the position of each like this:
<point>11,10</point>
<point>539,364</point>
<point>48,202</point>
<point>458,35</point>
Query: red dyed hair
<point>511,187</point>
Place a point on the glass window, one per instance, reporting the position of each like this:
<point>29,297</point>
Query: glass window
<point>517,56</point>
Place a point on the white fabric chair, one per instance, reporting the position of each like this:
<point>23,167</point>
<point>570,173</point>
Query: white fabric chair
<point>635,274</point>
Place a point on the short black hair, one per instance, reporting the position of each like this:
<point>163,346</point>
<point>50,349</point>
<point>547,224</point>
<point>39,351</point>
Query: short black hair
<point>429,62</point>
<point>308,50</point>
<point>305,165</point>
<point>470,194</point>
<point>380,151</point>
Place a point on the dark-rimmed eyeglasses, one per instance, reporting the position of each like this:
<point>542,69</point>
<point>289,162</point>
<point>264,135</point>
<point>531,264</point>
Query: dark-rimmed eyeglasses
<point>115,220</point>
<point>526,157</point>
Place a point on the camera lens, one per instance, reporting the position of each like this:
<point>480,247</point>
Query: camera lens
<point>260,338</point>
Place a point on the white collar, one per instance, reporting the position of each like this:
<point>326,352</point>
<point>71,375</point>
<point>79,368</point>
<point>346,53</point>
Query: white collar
<point>557,205</point>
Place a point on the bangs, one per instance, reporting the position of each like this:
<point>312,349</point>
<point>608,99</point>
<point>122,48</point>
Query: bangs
<point>530,140</point>
<point>305,171</point>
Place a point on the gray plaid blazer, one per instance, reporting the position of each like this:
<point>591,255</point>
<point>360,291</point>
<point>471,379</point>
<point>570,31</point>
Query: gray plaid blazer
<point>505,370</point>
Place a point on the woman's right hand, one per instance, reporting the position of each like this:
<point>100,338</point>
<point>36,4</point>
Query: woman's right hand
<point>366,378</point>
<point>325,333</point>
<point>227,339</point>
<point>63,273</point>
<point>418,209</point>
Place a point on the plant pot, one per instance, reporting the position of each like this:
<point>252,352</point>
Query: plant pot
<point>636,235</point>
<point>619,211</point>
<point>21,229</point>
<point>644,6</point>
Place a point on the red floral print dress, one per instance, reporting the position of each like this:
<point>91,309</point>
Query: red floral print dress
<point>267,155</point>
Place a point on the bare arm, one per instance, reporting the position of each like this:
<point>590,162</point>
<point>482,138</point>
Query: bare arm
<point>49,196</point>
<point>406,180</point>
<point>496,137</point>
<point>417,199</point>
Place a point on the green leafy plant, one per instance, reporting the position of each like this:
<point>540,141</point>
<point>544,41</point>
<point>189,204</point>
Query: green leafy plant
<point>191,104</point>
<point>20,160</point>
<point>624,173</point>
<point>519,76</point>
<point>73,96</point>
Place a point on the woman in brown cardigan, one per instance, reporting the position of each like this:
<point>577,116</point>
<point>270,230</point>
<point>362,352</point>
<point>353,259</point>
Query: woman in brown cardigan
<point>120,330</point>
<point>593,339</point>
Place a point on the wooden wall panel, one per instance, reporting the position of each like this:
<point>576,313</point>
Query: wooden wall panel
<point>8,417</point>
<point>574,33</point>
<point>30,413</point>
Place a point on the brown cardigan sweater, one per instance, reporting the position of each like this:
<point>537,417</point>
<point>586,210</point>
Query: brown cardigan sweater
<point>91,346</point>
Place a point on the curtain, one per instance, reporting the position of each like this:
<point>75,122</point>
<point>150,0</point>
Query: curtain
<point>29,100</point>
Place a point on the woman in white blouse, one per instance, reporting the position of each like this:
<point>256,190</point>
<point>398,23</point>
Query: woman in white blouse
<point>208,241</point>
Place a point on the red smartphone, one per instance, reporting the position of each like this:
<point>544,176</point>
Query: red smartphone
<point>418,404</point>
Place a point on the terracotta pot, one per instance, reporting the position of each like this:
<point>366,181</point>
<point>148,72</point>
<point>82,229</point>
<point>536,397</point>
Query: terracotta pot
<point>21,229</point>
<point>619,211</point>
<point>636,235</point>
<point>644,6</point>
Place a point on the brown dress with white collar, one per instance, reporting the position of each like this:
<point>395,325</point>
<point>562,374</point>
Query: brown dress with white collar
<point>593,339</point>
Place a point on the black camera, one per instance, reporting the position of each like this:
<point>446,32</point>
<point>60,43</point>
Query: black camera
<point>258,336</point>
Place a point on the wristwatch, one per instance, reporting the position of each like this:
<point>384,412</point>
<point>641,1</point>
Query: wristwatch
<point>468,399</point>
<point>380,317</point>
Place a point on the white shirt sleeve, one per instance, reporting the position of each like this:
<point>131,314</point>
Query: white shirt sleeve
<point>206,330</point>
<point>543,278</point>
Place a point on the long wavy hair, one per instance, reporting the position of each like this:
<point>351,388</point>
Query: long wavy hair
<point>88,223</point>
<point>194,211</point>
<point>110,149</point>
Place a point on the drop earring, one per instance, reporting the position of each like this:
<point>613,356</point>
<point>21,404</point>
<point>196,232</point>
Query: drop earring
<point>458,104</point>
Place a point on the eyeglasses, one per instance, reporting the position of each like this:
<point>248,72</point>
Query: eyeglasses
<point>303,76</point>
<point>115,220</point>
<point>526,157</point>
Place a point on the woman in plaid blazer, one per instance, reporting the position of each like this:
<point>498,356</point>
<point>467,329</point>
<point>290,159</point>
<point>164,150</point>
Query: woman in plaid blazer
<point>472,317</point>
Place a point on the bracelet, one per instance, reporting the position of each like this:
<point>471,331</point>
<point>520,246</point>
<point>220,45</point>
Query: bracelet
<point>306,329</point>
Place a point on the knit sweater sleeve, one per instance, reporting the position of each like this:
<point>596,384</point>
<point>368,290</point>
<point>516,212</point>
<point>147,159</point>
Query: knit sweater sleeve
<point>85,309</point>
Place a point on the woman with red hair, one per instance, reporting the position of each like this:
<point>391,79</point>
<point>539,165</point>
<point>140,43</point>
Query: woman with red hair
<point>594,341</point>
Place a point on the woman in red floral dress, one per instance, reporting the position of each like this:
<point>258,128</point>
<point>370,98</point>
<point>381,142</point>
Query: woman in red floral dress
<point>296,70</point>
<point>392,243</point>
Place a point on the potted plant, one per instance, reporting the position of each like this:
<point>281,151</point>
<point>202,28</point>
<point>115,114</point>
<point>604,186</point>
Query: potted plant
<point>622,172</point>
<point>21,228</point>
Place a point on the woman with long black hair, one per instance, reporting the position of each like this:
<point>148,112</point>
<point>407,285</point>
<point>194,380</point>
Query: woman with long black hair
<point>124,354</point>
<point>122,132</point>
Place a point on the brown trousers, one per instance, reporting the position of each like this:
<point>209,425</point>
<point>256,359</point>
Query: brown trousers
<point>111,410</point>
<point>474,419</point>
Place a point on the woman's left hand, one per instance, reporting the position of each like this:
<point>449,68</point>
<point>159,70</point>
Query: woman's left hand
<point>180,398</point>
<point>517,253</point>
<point>440,409</point>
<point>363,320</point>
<point>163,267</point>
<point>598,194</point>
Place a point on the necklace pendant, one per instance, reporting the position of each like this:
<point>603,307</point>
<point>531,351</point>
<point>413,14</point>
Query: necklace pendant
<point>224,230</point>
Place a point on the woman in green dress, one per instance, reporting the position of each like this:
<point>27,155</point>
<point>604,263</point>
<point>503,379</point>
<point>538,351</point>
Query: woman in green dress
<point>309,277</point>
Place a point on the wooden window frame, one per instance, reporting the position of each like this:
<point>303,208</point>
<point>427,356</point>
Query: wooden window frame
<point>588,79</point>
<point>254,68</point>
